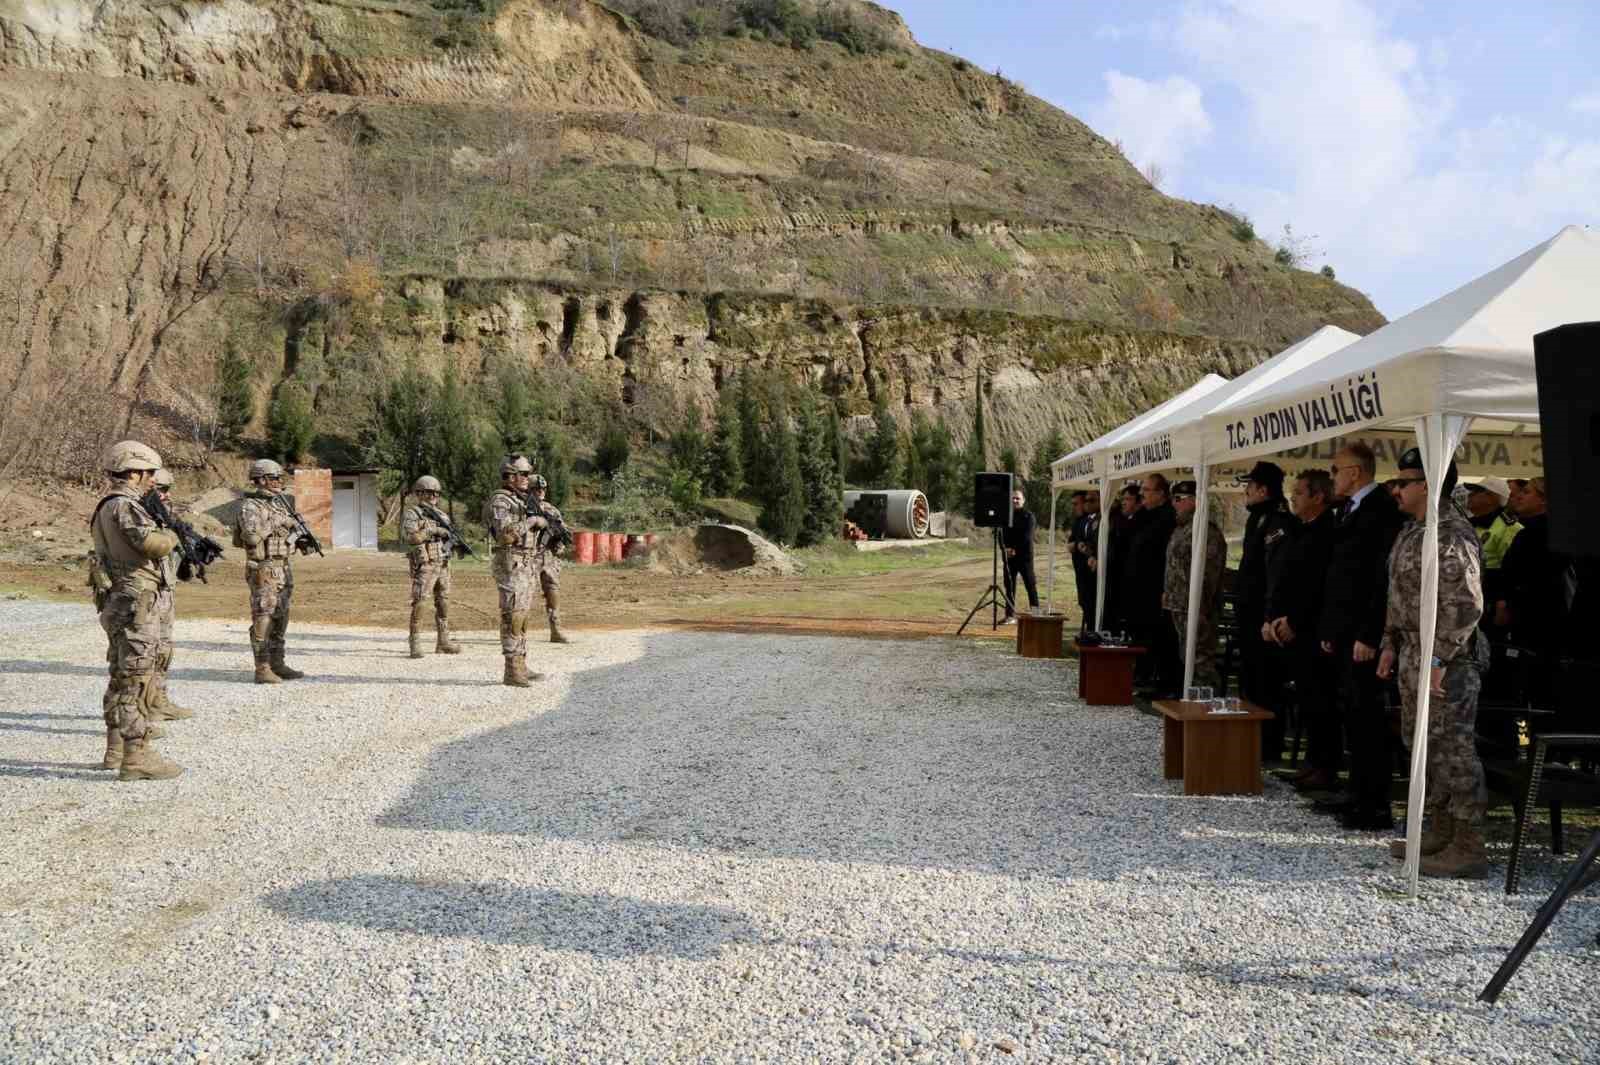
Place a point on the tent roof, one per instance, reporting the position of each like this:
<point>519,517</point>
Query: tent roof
<point>1469,352</point>
<point>1083,466</point>
<point>1175,438</point>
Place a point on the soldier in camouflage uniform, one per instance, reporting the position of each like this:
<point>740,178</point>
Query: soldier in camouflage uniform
<point>549,565</point>
<point>429,555</point>
<point>136,613</point>
<point>161,705</point>
<point>515,534</point>
<point>267,531</point>
<point>1452,841</point>
<point>1175,592</point>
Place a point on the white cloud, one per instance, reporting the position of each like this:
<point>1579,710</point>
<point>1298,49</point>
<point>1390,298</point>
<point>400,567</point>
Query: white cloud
<point>1157,121</point>
<point>1355,139</point>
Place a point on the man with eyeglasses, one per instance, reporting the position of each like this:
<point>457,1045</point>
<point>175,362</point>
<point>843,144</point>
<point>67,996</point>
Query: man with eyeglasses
<point>1355,598</point>
<point>1457,799</point>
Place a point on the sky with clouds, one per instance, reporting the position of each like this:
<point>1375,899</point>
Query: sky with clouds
<point>1411,145</point>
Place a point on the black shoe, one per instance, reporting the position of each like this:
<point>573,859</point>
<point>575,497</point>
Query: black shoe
<point>1367,820</point>
<point>1337,806</point>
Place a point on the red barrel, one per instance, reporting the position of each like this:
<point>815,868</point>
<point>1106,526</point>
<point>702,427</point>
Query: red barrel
<point>583,545</point>
<point>634,545</point>
<point>617,541</point>
<point>649,541</point>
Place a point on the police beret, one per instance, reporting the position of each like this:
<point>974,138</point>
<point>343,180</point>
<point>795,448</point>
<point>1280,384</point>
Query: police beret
<point>1412,460</point>
<point>1267,473</point>
<point>1183,488</point>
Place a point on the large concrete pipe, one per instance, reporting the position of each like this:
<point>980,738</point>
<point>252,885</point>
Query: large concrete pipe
<point>897,513</point>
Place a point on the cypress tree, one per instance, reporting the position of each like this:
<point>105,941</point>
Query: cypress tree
<point>725,458</point>
<point>784,496</point>
<point>1038,483</point>
<point>824,505</point>
<point>754,447</point>
<point>883,467</point>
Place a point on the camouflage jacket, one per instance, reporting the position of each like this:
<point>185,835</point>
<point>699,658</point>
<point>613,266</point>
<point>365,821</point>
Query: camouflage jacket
<point>510,525</point>
<point>427,539</point>
<point>119,527</point>
<point>266,528</point>
<point>1460,586</point>
<point>1175,592</point>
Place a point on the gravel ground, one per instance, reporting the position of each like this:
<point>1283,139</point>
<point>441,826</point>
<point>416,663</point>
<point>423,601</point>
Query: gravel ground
<point>703,847</point>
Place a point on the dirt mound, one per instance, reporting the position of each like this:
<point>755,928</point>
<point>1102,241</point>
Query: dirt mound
<point>722,548</point>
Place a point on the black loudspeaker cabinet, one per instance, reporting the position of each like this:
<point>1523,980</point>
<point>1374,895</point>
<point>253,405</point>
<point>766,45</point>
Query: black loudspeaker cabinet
<point>1567,364</point>
<point>991,500</point>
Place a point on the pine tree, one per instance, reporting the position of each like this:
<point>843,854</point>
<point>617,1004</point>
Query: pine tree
<point>916,452</point>
<point>403,426</point>
<point>611,454</point>
<point>552,459</point>
<point>838,447</point>
<point>823,492</point>
<point>291,422</point>
<point>754,446</point>
<point>882,466</point>
<point>975,457</point>
<point>453,447</point>
<point>1038,484</point>
<point>1009,462</point>
<point>236,398</point>
<point>687,445</point>
<point>945,469</point>
<point>515,412</point>
<point>725,454</point>
<point>784,497</point>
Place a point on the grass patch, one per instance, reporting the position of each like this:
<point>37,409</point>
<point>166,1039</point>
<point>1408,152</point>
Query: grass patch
<point>843,560</point>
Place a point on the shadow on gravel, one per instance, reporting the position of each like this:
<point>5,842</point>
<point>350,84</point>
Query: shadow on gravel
<point>886,752</point>
<point>12,767</point>
<point>491,673</point>
<point>606,926</point>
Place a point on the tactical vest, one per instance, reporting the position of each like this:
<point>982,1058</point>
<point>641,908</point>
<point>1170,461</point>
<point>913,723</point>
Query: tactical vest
<point>122,563</point>
<point>429,552</point>
<point>528,542</point>
<point>274,546</point>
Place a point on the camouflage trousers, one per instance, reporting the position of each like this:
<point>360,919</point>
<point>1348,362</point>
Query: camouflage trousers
<point>1455,779</point>
<point>549,577</point>
<point>138,627</point>
<point>517,576</point>
<point>430,578</point>
<point>1205,647</point>
<point>271,587</point>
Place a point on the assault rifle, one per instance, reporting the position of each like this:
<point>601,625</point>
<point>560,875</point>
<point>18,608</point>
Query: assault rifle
<point>459,546</point>
<point>305,540</point>
<point>557,535</point>
<point>198,551</point>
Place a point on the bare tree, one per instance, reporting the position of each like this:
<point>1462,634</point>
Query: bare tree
<point>1155,174</point>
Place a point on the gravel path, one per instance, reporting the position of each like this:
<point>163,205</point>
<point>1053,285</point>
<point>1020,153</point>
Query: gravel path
<point>703,847</point>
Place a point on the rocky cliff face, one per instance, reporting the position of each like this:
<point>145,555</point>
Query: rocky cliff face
<point>549,182</point>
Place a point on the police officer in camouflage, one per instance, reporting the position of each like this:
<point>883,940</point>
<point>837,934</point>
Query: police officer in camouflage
<point>268,531</point>
<point>136,557</point>
<point>549,564</point>
<point>515,533</point>
<point>1175,589</point>
<point>428,539</point>
<point>1452,841</point>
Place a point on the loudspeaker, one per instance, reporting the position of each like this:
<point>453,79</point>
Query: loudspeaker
<point>991,500</point>
<point>1566,363</point>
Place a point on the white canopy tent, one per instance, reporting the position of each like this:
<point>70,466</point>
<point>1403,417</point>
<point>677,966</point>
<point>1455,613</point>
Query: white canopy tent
<point>1464,360</point>
<point>1090,466</point>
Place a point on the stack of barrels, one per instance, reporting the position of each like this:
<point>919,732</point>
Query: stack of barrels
<point>598,548</point>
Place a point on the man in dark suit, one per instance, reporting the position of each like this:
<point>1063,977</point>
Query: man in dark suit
<point>1293,610</point>
<point>1144,573</point>
<point>1355,602</point>
<point>1017,539</point>
<point>1085,540</point>
<point>1267,529</point>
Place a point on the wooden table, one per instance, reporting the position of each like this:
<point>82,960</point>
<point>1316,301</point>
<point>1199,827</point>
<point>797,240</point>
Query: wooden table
<point>1215,754</point>
<point>1039,635</point>
<point>1105,674</point>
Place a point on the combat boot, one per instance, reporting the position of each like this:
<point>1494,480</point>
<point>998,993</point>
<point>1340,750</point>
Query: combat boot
<point>444,645</point>
<point>516,673</point>
<point>282,670</point>
<point>1436,836</point>
<point>163,708</point>
<point>1464,858</point>
<point>113,758</point>
<point>264,673</point>
<point>416,642</point>
<point>553,611</point>
<point>141,762</point>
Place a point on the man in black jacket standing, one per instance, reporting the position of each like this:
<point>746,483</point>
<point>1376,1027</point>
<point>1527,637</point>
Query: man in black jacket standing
<point>1017,539</point>
<point>1266,530</point>
<point>1534,594</point>
<point>1144,574</point>
<point>1085,542</point>
<point>1355,603</point>
<point>1293,610</point>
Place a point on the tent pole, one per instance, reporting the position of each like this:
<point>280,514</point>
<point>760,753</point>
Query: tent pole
<point>1197,555</point>
<point>1437,435</point>
<point>1050,579</point>
<point>1100,553</point>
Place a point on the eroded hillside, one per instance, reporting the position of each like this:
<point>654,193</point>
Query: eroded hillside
<point>178,175</point>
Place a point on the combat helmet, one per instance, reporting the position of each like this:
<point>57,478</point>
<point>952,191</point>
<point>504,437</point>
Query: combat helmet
<point>515,464</point>
<point>129,455</point>
<point>261,469</point>
<point>427,483</point>
<point>163,478</point>
<point>539,482</point>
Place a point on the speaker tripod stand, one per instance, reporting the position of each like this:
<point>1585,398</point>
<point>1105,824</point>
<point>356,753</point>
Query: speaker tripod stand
<point>1577,878</point>
<point>994,595</point>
